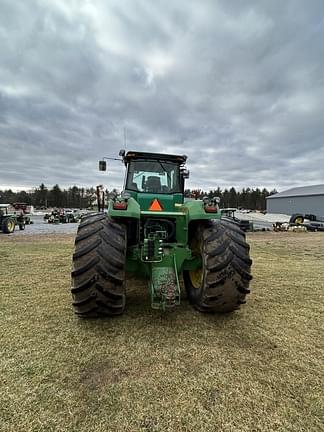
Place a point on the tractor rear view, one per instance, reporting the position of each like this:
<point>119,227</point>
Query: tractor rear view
<point>151,230</point>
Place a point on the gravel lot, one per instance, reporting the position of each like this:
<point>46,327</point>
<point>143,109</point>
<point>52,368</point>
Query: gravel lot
<point>42,227</point>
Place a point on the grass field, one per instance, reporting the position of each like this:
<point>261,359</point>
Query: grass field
<point>259,369</point>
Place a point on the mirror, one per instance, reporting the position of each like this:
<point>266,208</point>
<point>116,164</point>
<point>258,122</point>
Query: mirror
<point>102,165</point>
<point>185,173</point>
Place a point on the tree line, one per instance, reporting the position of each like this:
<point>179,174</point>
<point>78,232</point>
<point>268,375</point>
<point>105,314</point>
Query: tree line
<point>44,197</point>
<point>247,198</point>
<point>75,197</point>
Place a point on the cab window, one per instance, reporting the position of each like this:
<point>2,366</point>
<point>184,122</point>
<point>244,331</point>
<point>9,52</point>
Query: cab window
<point>153,177</point>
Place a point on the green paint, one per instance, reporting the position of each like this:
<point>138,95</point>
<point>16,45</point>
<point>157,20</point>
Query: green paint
<point>154,256</point>
<point>164,286</point>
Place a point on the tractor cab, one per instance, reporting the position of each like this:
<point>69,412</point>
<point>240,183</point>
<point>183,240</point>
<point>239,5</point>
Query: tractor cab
<point>4,210</point>
<point>157,176</point>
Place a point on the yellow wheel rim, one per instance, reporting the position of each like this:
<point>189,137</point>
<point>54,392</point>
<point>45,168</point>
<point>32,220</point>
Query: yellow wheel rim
<point>196,277</point>
<point>11,226</point>
<point>299,221</point>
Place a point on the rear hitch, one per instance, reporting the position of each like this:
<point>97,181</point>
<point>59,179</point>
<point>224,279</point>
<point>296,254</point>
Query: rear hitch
<point>164,282</point>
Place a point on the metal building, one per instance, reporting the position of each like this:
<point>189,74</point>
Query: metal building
<point>305,200</point>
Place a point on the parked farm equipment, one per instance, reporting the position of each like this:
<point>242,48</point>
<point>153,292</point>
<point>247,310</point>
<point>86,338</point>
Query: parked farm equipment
<point>244,224</point>
<point>301,222</point>
<point>310,221</point>
<point>23,209</point>
<point>151,231</point>
<point>62,216</point>
<point>286,226</point>
<point>9,221</point>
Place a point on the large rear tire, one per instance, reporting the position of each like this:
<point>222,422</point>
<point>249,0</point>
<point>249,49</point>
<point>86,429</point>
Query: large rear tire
<point>8,225</point>
<point>223,280</point>
<point>98,271</point>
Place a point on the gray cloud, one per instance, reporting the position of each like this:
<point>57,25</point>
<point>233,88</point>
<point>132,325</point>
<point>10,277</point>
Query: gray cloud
<point>238,86</point>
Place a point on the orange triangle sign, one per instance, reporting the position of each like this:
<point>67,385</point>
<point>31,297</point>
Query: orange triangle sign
<point>155,205</point>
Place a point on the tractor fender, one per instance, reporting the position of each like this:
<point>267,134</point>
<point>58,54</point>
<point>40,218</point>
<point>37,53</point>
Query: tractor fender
<point>196,211</point>
<point>133,210</point>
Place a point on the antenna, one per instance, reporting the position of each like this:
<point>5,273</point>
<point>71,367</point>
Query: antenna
<point>125,143</point>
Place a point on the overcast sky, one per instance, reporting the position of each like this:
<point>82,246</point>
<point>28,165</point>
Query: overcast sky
<point>237,86</point>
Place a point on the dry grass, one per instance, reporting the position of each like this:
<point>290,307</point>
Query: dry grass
<point>259,369</point>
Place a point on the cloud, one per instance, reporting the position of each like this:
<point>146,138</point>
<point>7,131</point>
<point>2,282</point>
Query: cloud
<point>237,86</point>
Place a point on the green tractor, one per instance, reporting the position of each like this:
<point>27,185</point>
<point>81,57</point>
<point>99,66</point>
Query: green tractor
<point>151,230</point>
<point>8,221</point>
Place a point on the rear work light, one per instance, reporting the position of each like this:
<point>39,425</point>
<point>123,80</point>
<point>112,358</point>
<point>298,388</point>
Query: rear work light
<point>211,204</point>
<point>120,205</point>
<point>210,209</point>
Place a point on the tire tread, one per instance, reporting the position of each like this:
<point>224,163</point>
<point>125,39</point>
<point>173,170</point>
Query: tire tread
<point>98,273</point>
<point>226,269</point>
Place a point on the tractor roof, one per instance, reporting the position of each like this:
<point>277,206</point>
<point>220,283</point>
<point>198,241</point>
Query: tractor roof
<point>4,205</point>
<point>131,155</point>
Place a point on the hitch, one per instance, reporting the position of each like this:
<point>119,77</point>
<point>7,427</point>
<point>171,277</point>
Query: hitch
<point>152,250</point>
<point>164,283</point>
